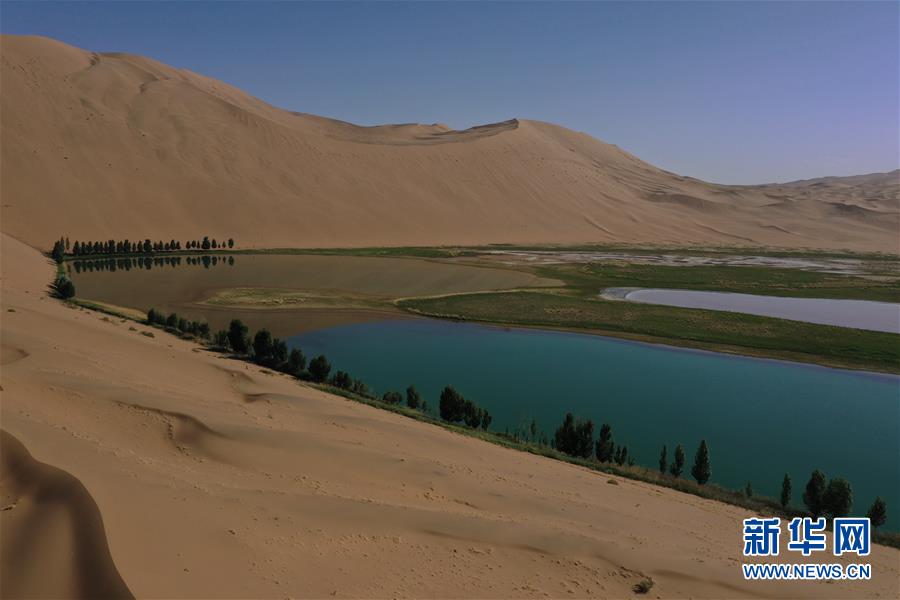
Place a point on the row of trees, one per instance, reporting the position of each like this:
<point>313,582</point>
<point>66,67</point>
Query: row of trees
<point>575,437</point>
<point>62,247</point>
<point>173,321</point>
<point>832,497</point>
<point>454,408</point>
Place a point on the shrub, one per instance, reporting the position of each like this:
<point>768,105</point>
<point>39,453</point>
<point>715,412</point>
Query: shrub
<point>63,287</point>
<point>172,320</point>
<point>221,340</point>
<point>643,586</point>
<point>663,459</point>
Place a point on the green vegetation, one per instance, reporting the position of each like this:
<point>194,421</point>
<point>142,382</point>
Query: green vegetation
<point>575,437</point>
<point>786,490</point>
<point>712,330</point>
<point>62,287</point>
<point>814,495</point>
<point>877,513</point>
<point>643,586</point>
<point>454,408</point>
<point>701,470</point>
<point>677,467</point>
<point>590,279</point>
<point>62,248</point>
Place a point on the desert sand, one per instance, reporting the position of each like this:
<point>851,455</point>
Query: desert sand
<point>120,146</point>
<point>149,466</point>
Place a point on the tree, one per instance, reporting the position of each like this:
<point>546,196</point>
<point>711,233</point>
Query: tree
<point>605,444</point>
<point>296,361</point>
<point>183,325</point>
<point>877,513</point>
<point>237,336</point>
<point>813,495</point>
<point>342,380</point>
<point>786,491</point>
<point>221,340</point>
<point>575,437</point>
<point>203,330</point>
<point>452,405</point>
<point>413,397</point>
<point>471,414</point>
<point>152,316</point>
<point>748,490</point>
<point>621,455</point>
<point>262,345</point>
<point>205,245</point>
<point>231,242</point>
<point>663,459</point>
<point>838,497</point>
<point>392,397</point>
<point>59,251</point>
<point>677,467</point>
<point>279,352</point>
<point>701,470</point>
<point>63,287</point>
<point>172,320</point>
<point>485,419</point>
<point>319,367</point>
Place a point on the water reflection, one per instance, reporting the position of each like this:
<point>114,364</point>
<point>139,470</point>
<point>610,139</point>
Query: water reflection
<point>147,262</point>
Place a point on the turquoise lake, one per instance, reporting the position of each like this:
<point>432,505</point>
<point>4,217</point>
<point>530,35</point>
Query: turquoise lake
<point>761,418</point>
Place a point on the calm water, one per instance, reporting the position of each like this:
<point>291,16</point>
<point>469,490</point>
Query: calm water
<point>761,418</point>
<point>858,314</point>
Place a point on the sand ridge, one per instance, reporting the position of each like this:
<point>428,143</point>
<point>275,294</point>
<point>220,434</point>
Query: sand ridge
<point>114,145</point>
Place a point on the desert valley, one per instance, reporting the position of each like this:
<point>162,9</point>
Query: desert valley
<point>434,302</point>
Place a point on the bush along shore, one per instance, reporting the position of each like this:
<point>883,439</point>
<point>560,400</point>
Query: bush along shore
<point>573,441</point>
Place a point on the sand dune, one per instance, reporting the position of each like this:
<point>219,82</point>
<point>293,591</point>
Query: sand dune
<point>115,145</point>
<point>178,473</point>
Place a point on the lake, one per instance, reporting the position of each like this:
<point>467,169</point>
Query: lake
<point>858,314</point>
<point>761,418</point>
<point>321,290</point>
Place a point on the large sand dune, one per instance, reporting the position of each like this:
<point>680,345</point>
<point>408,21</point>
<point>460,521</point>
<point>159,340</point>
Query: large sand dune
<point>113,146</point>
<point>149,466</point>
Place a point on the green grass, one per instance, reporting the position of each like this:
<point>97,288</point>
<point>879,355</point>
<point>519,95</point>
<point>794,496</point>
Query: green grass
<point>590,279</point>
<point>712,330</point>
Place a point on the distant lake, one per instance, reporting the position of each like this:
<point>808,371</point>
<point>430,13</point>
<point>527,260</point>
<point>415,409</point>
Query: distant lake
<point>858,314</point>
<point>762,418</point>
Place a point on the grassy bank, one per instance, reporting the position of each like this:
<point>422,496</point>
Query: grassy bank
<point>590,279</point>
<point>711,330</point>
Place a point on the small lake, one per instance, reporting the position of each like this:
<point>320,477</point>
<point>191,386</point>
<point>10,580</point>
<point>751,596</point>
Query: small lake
<point>762,418</point>
<point>857,314</point>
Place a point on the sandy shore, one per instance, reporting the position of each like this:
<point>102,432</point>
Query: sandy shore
<point>146,465</point>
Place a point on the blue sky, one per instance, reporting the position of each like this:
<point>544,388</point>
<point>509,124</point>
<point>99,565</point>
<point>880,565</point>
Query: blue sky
<point>725,91</point>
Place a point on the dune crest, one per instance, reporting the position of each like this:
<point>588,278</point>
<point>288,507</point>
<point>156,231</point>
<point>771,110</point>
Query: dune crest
<point>114,145</point>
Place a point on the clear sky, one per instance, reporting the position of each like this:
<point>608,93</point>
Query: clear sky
<point>730,92</point>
